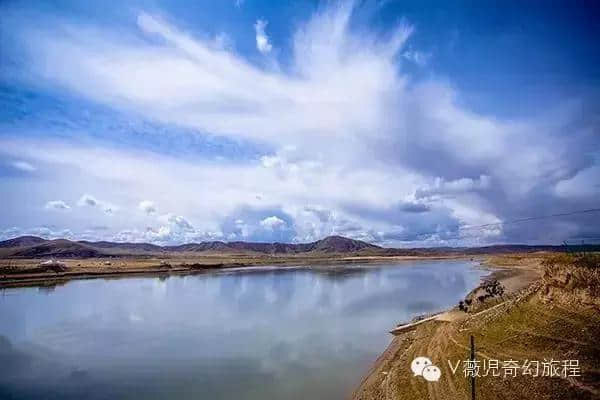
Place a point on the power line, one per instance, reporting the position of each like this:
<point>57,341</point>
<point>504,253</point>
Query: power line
<point>515,221</point>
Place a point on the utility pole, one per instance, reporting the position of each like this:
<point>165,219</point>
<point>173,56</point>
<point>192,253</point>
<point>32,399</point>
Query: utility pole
<point>473,363</point>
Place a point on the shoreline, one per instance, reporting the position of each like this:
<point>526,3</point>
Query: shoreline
<point>513,277</point>
<point>157,267</point>
<point>505,275</point>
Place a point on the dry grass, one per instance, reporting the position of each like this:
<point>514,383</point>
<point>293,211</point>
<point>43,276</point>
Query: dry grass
<point>572,278</point>
<point>529,325</point>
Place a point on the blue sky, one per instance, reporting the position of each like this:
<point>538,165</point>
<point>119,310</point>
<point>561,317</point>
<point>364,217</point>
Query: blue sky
<point>398,122</point>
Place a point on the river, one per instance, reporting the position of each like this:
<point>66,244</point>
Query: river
<point>268,333</point>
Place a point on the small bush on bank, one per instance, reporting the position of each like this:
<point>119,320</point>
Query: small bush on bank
<point>490,290</point>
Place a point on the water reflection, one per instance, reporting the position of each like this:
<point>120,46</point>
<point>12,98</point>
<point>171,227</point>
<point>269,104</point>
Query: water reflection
<point>281,334</point>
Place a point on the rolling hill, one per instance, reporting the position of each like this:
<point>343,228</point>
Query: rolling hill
<point>49,248</point>
<point>34,247</point>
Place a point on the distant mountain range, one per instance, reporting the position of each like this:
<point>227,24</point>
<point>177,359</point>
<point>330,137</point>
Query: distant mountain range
<point>36,247</point>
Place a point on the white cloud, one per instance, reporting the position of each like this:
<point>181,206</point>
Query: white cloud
<point>586,183</point>
<point>262,40</point>
<point>180,222</point>
<point>223,41</point>
<point>418,57</point>
<point>220,92</point>
<point>288,160</point>
<point>23,166</point>
<point>444,187</point>
<point>57,205</point>
<point>272,223</point>
<point>148,207</point>
<point>40,231</point>
<point>90,201</point>
<point>87,200</point>
<point>270,161</point>
<point>173,229</point>
<point>342,125</point>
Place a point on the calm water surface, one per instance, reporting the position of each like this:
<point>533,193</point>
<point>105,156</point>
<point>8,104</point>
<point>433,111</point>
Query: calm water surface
<point>268,334</point>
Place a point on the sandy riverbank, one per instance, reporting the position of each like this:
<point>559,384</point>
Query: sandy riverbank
<point>519,326</point>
